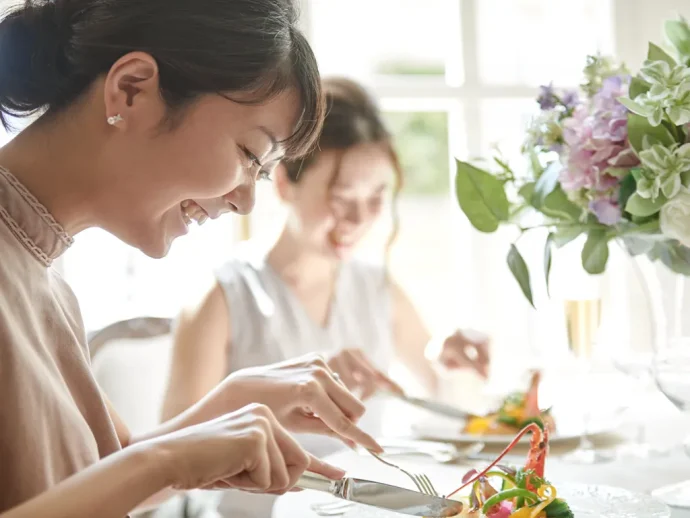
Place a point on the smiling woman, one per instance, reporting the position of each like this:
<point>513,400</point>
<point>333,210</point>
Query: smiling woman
<point>180,121</point>
<point>148,114</point>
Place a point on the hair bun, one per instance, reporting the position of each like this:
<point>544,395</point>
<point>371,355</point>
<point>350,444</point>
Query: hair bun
<point>33,66</point>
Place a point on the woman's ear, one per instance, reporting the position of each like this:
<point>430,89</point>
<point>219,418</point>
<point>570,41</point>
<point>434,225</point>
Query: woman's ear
<point>132,91</point>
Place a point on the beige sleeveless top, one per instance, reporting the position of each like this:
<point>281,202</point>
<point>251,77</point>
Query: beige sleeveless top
<point>53,420</point>
<point>269,324</point>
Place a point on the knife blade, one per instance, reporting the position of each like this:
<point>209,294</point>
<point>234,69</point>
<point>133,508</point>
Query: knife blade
<point>383,496</point>
<point>434,406</point>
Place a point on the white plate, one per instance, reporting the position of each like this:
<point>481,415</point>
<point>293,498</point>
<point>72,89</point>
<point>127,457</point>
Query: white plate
<point>584,500</point>
<point>447,430</point>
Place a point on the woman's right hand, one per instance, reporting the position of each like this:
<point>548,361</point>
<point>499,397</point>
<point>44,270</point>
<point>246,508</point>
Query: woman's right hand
<point>247,449</point>
<point>303,393</point>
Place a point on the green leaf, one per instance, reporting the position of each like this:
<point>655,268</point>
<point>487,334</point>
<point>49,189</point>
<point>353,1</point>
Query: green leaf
<point>537,168</point>
<point>628,187</point>
<point>595,253</point>
<point>634,107</point>
<point>678,34</point>
<point>558,509</point>
<point>656,53</point>
<point>527,192</point>
<point>676,131</point>
<point>518,268</point>
<point>637,245</point>
<point>636,173</point>
<point>675,256</point>
<point>546,184</point>
<point>638,86</point>
<point>558,206</point>
<point>503,165</point>
<point>639,128</point>
<point>565,235</point>
<point>685,178</point>
<point>548,246</point>
<point>481,197</point>
<point>639,206</point>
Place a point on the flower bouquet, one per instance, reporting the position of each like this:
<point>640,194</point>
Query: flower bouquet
<point>610,161</point>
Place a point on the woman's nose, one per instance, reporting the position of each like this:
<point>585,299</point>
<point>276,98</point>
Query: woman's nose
<point>242,198</point>
<point>356,214</point>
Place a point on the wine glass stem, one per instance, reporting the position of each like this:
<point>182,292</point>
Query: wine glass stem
<point>585,443</point>
<point>641,437</point>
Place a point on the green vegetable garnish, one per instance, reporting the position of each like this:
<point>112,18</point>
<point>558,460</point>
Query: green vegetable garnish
<point>508,420</point>
<point>516,398</point>
<point>536,420</point>
<point>509,494</point>
<point>558,509</point>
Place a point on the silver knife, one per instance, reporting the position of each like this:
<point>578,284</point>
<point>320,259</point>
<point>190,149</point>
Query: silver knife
<point>383,496</point>
<point>434,406</point>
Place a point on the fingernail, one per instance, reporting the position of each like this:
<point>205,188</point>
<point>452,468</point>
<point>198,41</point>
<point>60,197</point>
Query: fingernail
<point>185,203</point>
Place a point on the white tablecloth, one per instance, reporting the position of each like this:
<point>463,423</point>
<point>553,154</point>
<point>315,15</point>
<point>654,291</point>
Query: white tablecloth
<point>665,426</point>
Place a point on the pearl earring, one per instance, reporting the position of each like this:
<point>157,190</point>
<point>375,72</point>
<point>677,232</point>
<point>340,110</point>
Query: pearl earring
<point>114,119</point>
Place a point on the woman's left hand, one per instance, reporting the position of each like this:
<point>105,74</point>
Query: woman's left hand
<point>466,349</point>
<point>359,374</point>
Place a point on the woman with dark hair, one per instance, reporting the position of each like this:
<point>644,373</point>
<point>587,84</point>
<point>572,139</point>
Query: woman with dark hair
<point>306,293</point>
<point>148,115</point>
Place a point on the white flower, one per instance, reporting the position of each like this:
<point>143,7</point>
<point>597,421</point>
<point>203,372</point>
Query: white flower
<point>663,167</point>
<point>675,217</point>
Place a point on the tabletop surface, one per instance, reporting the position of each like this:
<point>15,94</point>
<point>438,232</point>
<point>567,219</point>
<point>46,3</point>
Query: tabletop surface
<point>665,426</point>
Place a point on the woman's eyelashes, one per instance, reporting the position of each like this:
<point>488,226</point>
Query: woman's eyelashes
<point>254,162</point>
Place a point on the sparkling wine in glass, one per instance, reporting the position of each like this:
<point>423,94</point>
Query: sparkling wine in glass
<point>583,319</point>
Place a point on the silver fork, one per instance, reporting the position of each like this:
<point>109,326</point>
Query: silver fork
<point>420,480</point>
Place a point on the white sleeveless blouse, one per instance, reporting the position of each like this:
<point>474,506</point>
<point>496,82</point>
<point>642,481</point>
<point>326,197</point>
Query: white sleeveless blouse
<point>269,324</point>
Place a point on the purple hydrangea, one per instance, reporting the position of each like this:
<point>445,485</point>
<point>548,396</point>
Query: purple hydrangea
<point>570,99</point>
<point>596,143</point>
<point>606,209</point>
<point>547,97</point>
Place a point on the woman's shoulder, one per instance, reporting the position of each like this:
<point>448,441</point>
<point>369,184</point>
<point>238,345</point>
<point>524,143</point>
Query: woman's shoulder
<point>246,260</point>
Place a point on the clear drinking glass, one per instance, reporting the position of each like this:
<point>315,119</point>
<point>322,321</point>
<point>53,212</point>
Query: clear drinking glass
<point>671,370</point>
<point>583,318</point>
<point>638,367</point>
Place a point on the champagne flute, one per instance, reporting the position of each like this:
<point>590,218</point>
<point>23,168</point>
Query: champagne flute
<point>638,367</point>
<point>671,370</point>
<point>583,318</point>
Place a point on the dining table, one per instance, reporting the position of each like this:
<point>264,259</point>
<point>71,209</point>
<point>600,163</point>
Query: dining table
<point>665,429</point>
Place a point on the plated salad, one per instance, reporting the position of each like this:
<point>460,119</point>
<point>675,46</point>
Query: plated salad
<point>500,491</point>
<point>516,411</point>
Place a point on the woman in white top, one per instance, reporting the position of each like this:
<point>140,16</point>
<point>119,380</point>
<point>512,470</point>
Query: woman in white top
<point>306,293</point>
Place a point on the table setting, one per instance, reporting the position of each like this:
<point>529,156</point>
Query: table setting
<point>606,173</point>
<point>624,485</point>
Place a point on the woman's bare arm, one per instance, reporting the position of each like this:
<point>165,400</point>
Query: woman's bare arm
<point>111,488</point>
<point>199,360</point>
<point>411,337</point>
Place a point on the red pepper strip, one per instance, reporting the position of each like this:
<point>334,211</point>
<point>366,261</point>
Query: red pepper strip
<point>529,427</point>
